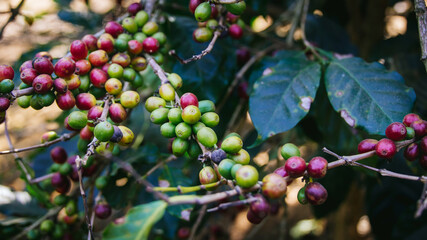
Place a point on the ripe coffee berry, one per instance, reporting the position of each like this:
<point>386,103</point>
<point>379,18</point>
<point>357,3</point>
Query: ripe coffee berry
<point>60,85</point>
<point>420,128</point>
<point>117,113</point>
<point>86,133</point>
<point>188,99</point>
<point>423,162</point>
<point>98,58</point>
<point>4,104</point>
<point>192,5</point>
<point>396,131</point>
<point>260,207</point>
<point>317,167</point>
<point>412,152</point>
<point>58,155</point>
<point>183,233</point>
<point>385,148</point>
<point>28,75</point>
<point>150,45</point>
<point>43,65</point>
<point>410,118</point>
<point>367,145</point>
<point>66,100</point>
<point>253,218</point>
<point>114,29</point>
<point>235,31</point>
<point>85,101</point>
<point>6,72</point>
<point>83,67</point>
<point>315,193</point>
<point>295,166</point>
<point>423,145</point>
<point>42,83</point>
<point>78,49</point>
<point>135,47</point>
<point>98,77</point>
<point>218,155</point>
<point>102,211</point>
<point>58,180</point>
<point>65,67</point>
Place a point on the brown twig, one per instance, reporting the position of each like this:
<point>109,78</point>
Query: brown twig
<point>159,164</point>
<point>15,13</point>
<point>225,1</point>
<point>21,92</point>
<point>420,11</point>
<point>196,225</point>
<point>223,206</point>
<point>64,137</point>
<point>42,178</point>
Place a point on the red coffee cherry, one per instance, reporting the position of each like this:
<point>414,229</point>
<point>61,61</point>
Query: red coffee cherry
<point>282,172</point>
<point>295,166</point>
<point>45,55</point>
<point>396,131</point>
<point>90,41</point>
<point>42,83</point>
<point>58,180</point>
<point>63,189</point>
<point>98,77</point>
<point>150,45</point>
<point>135,47</point>
<point>117,113</point>
<point>253,218</point>
<point>423,145</point>
<point>106,43</point>
<point>6,72</point>
<point>235,31</point>
<point>85,101</point>
<point>385,148</point>
<point>410,118</point>
<point>367,145</point>
<point>94,113</point>
<point>78,49</point>
<point>98,58</point>
<point>192,5</point>
<point>4,104</point>
<point>60,85</point>
<point>188,99</point>
<point>58,155</point>
<point>231,18</point>
<point>83,67</point>
<point>420,128</point>
<point>86,133</point>
<point>183,233</point>
<point>28,75</point>
<point>260,208</point>
<point>317,167</point>
<point>315,193</point>
<point>103,210</point>
<point>274,186</point>
<point>134,8</point>
<point>122,59</point>
<point>25,65</point>
<point>412,152</point>
<point>114,29</point>
<point>43,66</point>
<point>66,100</point>
<point>65,67</point>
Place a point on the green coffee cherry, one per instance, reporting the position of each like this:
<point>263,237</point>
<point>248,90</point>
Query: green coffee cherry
<point>150,28</point>
<point>198,126</point>
<point>191,114</point>
<point>130,25</point>
<point>194,150</point>
<point>247,176</point>
<point>103,131</point>
<point>232,145</point>
<point>233,134</point>
<point>175,80</point>
<point>115,70</point>
<point>410,132</point>
<point>158,57</point>
<point>159,116</point>
<point>6,86</point>
<point>84,83</point>
<point>183,130</point>
<point>138,81</point>
<point>60,200</point>
<point>203,12</point>
<point>202,35</point>
<point>71,208</point>
<point>121,45</point>
<point>154,103</point>
<point>125,36</point>
<point>207,175</point>
<point>224,168</point>
<point>241,157</point>
<point>289,150</point>
<point>179,147</point>
<point>33,234</point>
<point>47,99</point>
<point>65,169</point>
<point>236,8</point>
<point>35,103</point>
<point>58,232</point>
<point>139,36</point>
<point>46,226</point>
<point>24,101</point>
<point>210,119</point>
<point>234,169</point>
<point>167,92</point>
<point>206,106</point>
<point>161,38</point>
<point>167,130</point>
<point>212,24</point>
<point>82,145</point>
<point>105,147</point>
<point>206,136</point>
<point>301,196</point>
<point>141,18</point>
<point>101,182</point>
<point>129,74</point>
<point>174,115</point>
<point>129,99</point>
<point>77,120</point>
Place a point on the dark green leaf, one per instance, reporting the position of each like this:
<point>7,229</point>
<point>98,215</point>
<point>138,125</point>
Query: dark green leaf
<point>367,95</point>
<point>138,222</point>
<point>282,96</point>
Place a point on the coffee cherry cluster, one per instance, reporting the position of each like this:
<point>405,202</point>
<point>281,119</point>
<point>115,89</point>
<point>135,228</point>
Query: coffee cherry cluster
<point>207,15</point>
<point>412,127</point>
<point>295,166</point>
<point>6,87</point>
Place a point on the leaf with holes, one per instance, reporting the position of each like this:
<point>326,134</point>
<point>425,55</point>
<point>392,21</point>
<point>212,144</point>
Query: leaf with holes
<point>138,222</point>
<point>283,95</point>
<point>367,95</point>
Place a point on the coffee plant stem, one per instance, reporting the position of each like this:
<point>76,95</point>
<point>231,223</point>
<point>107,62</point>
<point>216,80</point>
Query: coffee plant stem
<point>196,225</point>
<point>422,202</point>
<point>21,92</point>
<point>159,164</point>
<point>420,11</point>
<point>303,36</point>
<point>181,189</point>
<point>15,13</point>
<point>223,206</point>
<point>42,178</point>
<point>64,137</point>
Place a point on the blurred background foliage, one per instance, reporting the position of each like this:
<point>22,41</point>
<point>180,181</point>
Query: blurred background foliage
<point>361,205</point>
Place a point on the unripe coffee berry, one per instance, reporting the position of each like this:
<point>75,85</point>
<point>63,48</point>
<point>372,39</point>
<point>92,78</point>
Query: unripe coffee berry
<point>159,116</point>
<point>210,119</point>
<point>77,120</point>
<point>207,137</point>
<point>236,8</point>
<point>202,35</point>
<point>367,145</point>
<point>150,28</point>
<point>168,130</point>
<point>128,136</point>
<point>122,59</point>
<point>224,168</point>
<point>315,193</point>
<point>289,150</point>
<point>191,114</point>
<point>98,58</point>
<point>129,99</point>
<point>113,86</point>
<point>167,92</point>
<point>317,167</point>
<point>241,157</point>
<point>203,12</point>
<point>396,131</point>
<point>274,186</point>
<point>179,146</point>
<point>301,196</point>
<point>232,145</point>
<point>154,103</point>
<point>183,130</point>
<point>295,166</point>
<point>207,175</point>
<point>247,176</point>
<point>175,115</point>
<point>103,131</point>
<point>385,148</point>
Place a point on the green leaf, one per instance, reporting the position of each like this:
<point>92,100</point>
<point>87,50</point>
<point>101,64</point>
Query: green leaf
<point>282,96</point>
<point>367,95</point>
<point>138,222</point>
